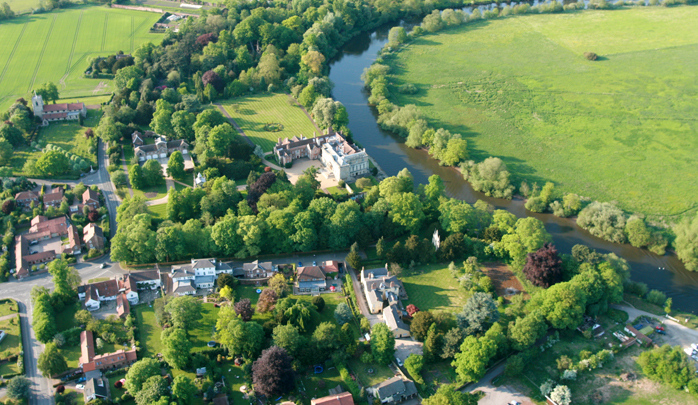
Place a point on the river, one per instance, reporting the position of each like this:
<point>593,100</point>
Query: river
<point>664,273</point>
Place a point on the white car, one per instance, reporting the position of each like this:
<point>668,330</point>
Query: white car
<point>80,387</point>
<point>103,265</point>
<point>399,362</point>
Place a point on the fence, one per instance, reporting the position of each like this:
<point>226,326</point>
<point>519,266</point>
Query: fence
<point>138,8</point>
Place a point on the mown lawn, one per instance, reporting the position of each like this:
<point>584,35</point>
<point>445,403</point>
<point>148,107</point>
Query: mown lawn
<point>253,112</point>
<point>619,128</point>
<point>158,211</point>
<point>433,288</point>
<point>8,307</point>
<point>370,374</point>
<point>56,47</point>
<point>11,344</point>
<point>152,193</point>
<point>203,333</point>
<point>148,329</point>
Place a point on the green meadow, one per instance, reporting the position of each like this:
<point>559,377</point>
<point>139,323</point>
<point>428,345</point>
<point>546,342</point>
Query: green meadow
<point>253,112</point>
<point>56,47</point>
<point>622,128</point>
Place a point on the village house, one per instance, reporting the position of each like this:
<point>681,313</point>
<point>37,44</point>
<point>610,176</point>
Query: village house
<point>24,261</point>
<point>74,245</point>
<point>123,306</point>
<point>91,199</point>
<point>256,270</point>
<point>93,294</point>
<point>393,318</point>
<point>199,274</point>
<point>93,237</point>
<point>53,198</point>
<point>43,229</point>
<point>343,398</point>
<point>89,362</point>
<point>394,390</point>
<point>57,112</point>
<point>378,284</point>
<point>25,199</point>
<point>96,388</point>
<point>346,161</point>
<point>162,148</point>
<point>311,279</point>
<point>143,280</point>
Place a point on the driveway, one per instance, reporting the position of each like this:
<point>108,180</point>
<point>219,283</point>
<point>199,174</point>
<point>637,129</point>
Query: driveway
<point>405,347</point>
<point>676,334</point>
<point>324,176</point>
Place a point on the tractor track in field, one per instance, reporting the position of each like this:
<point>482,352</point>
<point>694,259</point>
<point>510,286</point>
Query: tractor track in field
<point>41,56</point>
<point>133,34</point>
<point>12,54</point>
<point>104,33</point>
<point>75,41</point>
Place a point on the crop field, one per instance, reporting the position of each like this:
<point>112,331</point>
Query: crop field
<point>56,47</point>
<point>619,128</point>
<point>252,113</point>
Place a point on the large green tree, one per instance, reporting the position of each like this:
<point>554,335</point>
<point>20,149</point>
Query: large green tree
<point>183,390</point>
<point>53,163</point>
<point>176,347</point>
<point>686,242</point>
<point>139,373</point>
<point>219,139</point>
<point>175,165</point>
<point>48,91</point>
<point>152,173</point>
<point>51,361</point>
<point>153,389</point>
<point>136,178</point>
<point>382,344</point>
<point>471,363</point>
<point>185,312</point>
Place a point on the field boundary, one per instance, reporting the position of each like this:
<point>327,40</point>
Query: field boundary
<point>14,50</point>
<point>43,50</point>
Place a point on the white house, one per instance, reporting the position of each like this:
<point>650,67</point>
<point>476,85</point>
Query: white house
<point>344,160</point>
<point>202,272</point>
<point>95,293</point>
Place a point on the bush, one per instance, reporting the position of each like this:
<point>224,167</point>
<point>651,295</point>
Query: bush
<point>656,297</point>
<point>591,55</point>
<point>637,288</point>
<point>408,88</point>
<point>366,358</point>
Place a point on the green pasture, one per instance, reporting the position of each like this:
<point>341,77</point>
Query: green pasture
<point>56,47</point>
<point>620,128</point>
<point>432,287</point>
<point>252,113</point>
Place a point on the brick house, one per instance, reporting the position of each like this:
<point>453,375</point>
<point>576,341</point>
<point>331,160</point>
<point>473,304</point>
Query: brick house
<point>343,398</point>
<point>54,198</point>
<point>123,307</point>
<point>89,362</point>
<point>95,293</point>
<point>93,237</point>
<point>91,199</point>
<point>311,279</point>
<point>25,198</point>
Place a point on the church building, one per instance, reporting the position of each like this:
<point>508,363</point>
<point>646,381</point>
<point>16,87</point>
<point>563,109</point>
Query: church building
<point>57,112</point>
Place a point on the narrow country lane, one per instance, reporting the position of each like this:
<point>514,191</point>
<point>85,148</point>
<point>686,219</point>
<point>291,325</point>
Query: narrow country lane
<point>104,183</point>
<point>41,388</point>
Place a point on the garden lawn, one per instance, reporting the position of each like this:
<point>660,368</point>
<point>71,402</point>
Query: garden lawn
<point>156,192</point>
<point>66,318</point>
<point>72,355</point>
<point>433,288</point>
<point>203,333</point>
<point>619,128</point>
<point>158,211</point>
<point>149,330</point>
<point>69,136</point>
<point>337,191</point>
<point>255,111</point>
<point>8,306</point>
<point>56,47</point>
<point>11,345</point>
<point>378,375</point>
<point>118,393</point>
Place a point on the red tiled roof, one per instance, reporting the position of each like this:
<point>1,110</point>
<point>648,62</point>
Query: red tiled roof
<point>310,272</point>
<point>54,116</point>
<point>344,398</point>
<point>26,195</point>
<point>107,288</point>
<point>56,225</point>
<point>64,107</point>
<point>87,347</point>
<point>123,307</point>
<point>88,195</point>
<point>331,266</point>
<point>41,256</point>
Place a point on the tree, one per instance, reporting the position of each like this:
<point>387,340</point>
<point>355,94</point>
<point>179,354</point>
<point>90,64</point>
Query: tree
<point>279,284</point>
<point>118,177</point>
<point>53,163</point>
<point>48,91</point>
<point>447,394</point>
<point>18,388</point>
<point>561,395</point>
<point>326,337</point>
<point>489,176</point>
<point>227,293</point>
<point>603,220</point>
<point>184,311</point>
<point>139,372</point>
<point>471,362</point>
<point>136,177</point>
<point>353,259</point>
<point>451,342</point>
<point>244,309</point>
<point>397,36</point>
<point>237,336</point>
<point>382,344</point>
<point>267,300</point>
<point>5,152</point>
<point>153,389</point>
<point>175,165</point>
<point>152,173</point>
<point>412,309</point>
<point>414,364</point>
<point>272,374</point>
<point>479,310</point>
<point>8,206</point>
<point>420,325</point>
<point>406,210</point>
<point>686,242</point>
<point>525,331</point>
<point>183,390</point>
<point>667,364</point>
<point>62,278</point>
<point>381,247</point>
<point>544,267</point>
<point>515,366</point>
<point>433,344</point>
<point>176,347</point>
<point>343,313</point>
<point>226,279</point>
<point>287,337</point>
<point>51,361</point>
<point>212,78</point>
<point>319,303</point>
<point>219,139</point>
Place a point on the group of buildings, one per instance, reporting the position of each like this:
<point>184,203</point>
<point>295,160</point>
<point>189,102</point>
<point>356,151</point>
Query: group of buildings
<point>344,160</point>
<point>55,197</point>
<point>381,288</point>
<point>391,391</point>
<point>159,149</point>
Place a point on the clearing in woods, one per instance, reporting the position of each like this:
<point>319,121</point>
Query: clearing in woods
<point>253,113</point>
<point>620,128</point>
<point>56,47</point>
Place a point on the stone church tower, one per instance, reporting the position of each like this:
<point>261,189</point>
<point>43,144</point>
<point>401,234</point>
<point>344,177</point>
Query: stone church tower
<point>38,105</point>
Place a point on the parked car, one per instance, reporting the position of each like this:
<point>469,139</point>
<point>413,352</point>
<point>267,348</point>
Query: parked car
<point>399,362</point>
<point>34,242</point>
<point>81,380</point>
<point>103,265</point>
<point>79,387</point>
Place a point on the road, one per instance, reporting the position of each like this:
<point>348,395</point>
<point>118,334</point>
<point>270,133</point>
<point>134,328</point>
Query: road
<point>41,390</point>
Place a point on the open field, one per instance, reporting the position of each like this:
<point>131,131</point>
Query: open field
<point>432,287</point>
<point>619,128</point>
<point>254,111</point>
<point>56,47</point>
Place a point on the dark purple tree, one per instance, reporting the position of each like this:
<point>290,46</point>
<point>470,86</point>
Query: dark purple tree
<point>272,374</point>
<point>544,267</point>
<point>93,216</point>
<point>89,133</point>
<point>267,300</point>
<point>203,40</point>
<point>258,188</point>
<point>8,206</point>
<point>412,309</point>
<point>244,309</point>
<point>212,78</point>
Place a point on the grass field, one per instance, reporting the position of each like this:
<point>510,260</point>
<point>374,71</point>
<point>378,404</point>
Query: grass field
<point>434,288</point>
<point>56,47</point>
<point>23,6</point>
<point>11,344</point>
<point>8,306</point>
<point>619,128</point>
<point>158,211</point>
<point>149,331</point>
<point>255,111</point>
